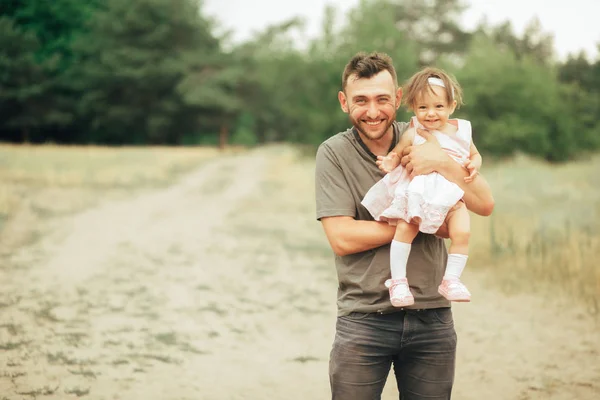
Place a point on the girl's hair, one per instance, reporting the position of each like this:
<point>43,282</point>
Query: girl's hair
<point>419,83</point>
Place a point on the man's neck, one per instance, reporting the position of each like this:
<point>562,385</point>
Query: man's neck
<point>380,147</point>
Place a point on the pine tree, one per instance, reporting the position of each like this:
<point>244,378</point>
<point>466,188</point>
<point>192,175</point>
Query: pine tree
<point>133,59</point>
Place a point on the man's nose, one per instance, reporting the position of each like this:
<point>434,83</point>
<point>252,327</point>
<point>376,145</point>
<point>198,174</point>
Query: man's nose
<point>372,110</point>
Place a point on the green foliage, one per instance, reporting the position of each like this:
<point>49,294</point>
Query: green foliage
<point>54,23</point>
<point>25,97</point>
<point>154,71</point>
<point>372,26</point>
<point>515,104</point>
<point>535,44</point>
<point>292,93</point>
<point>133,58</point>
<point>21,78</point>
<point>244,131</point>
<point>44,32</point>
<point>577,69</point>
<point>200,139</point>
<point>432,27</point>
<point>582,96</point>
<point>272,74</point>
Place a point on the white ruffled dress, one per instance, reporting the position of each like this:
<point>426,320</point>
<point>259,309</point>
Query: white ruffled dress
<point>426,199</point>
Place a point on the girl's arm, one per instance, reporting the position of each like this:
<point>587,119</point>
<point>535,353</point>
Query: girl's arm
<point>392,160</point>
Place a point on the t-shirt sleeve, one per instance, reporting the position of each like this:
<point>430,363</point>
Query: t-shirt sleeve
<point>332,192</point>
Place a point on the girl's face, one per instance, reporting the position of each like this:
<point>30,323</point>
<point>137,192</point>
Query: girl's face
<point>432,109</point>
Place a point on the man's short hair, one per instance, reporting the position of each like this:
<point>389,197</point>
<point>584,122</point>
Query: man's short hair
<point>365,65</point>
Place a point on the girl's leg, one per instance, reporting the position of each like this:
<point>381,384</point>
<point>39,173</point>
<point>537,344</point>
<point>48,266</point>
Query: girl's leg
<point>459,230</point>
<point>400,248</point>
<point>400,294</point>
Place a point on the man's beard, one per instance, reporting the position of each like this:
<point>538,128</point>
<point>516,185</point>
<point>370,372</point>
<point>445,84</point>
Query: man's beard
<point>371,135</point>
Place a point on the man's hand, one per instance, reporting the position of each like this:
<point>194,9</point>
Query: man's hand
<point>388,163</point>
<point>425,158</point>
<point>442,231</point>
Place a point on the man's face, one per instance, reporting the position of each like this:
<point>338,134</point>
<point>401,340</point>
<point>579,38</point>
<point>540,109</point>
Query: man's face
<point>371,104</point>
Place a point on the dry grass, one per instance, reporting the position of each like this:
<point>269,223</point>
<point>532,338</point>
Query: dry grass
<point>543,237</point>
<point>544,234</point>
<point>93,166</point>
<point>49,180</point>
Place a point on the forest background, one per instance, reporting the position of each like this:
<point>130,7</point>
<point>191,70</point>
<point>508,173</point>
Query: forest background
<point>149,164</point>
<point>150,72</point>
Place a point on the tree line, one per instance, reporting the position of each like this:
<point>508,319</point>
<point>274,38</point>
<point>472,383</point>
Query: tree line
<point>162,72</point>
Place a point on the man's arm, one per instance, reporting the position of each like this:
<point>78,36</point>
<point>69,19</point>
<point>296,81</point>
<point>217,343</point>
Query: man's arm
<point>473,165</point>
<point>336,209</point>
<point>429,157</point>
<point>348,236</point>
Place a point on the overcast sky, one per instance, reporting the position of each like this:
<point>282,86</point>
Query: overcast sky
<point>574,23</point>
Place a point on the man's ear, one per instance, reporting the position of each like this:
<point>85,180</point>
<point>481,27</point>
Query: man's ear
<point>398,97</point>
<point>343,101</point>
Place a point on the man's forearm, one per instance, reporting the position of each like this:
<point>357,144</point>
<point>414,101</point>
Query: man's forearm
<point>478,194</point>
<point>348,236</point>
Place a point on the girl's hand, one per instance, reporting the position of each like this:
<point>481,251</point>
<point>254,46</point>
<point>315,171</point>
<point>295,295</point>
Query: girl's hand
<point>388,163</point>
<point>473,169</point>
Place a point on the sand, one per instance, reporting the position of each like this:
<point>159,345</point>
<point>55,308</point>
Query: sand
<point>222,286</point>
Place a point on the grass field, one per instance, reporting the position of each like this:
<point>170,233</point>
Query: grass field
<point>130,273</point>
<point>544,234</point>
<point>49,180</point>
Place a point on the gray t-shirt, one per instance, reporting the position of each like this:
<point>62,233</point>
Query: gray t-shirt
<point>345,171</point>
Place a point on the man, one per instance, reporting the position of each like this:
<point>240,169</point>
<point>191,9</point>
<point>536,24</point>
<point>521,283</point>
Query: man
<point>372,335</point>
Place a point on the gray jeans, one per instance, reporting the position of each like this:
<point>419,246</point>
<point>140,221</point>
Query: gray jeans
<point>421,345</point>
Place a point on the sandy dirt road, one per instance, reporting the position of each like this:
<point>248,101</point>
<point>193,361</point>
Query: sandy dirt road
<point>222,287</point>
